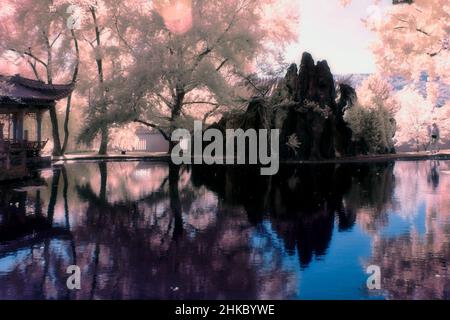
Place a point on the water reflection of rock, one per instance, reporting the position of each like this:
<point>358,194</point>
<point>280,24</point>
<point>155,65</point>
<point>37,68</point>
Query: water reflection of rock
<point>303,201</point>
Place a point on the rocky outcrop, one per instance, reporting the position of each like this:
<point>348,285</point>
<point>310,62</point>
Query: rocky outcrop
<point>308,108</point>
<point>313,128</point>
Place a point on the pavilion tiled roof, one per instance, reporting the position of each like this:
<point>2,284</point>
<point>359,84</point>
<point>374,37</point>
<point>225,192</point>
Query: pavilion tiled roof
<point>22,90</point>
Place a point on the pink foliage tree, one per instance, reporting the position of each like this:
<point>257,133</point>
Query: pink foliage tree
<point>413,39</point>
<point>415,118</point>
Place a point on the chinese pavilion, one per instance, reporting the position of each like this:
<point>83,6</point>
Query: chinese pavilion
<point>20,98</point>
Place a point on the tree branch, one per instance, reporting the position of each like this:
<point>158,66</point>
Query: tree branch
<point>208,50</point>
<point>154,126</point>
<point>121,37</point>
<point>167,102</point>
<point>422,31</point>
<point>33,67</point>
<point>222,64</point>
<point>91,43</point>
<point>210,113</point>
<point>201,102</point>
<point>56,39</point>
<point>417,28</point>
<point>29,54</point>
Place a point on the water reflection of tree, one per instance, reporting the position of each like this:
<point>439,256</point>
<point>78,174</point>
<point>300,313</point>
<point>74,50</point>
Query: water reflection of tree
<point>150,260</point>
<point>414,264</point>
<point>371,195</point>
<point>412,267</point>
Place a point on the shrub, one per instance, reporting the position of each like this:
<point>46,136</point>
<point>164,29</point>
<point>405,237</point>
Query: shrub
<point>373,128</point>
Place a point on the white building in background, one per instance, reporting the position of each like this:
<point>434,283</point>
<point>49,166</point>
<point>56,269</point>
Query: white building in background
<point>150,141</point>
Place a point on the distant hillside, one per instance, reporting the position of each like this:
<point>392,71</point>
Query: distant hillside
<point>399,83</point>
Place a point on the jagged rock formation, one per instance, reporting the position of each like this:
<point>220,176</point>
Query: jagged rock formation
<point>308,110</point>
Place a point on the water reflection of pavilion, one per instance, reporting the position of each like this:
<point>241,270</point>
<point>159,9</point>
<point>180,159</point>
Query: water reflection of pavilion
<point>21,98</point>
<point>22,216</point>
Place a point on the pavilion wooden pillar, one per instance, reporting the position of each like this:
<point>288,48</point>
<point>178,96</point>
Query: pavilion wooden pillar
<point>3,150</point>
<point>14,125</point>
<point>39,126</point>
<point>20,122</point>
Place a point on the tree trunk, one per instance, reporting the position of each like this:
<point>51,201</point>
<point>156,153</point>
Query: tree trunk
<point>66,125</point>
<point>176,113</point>
<point>69,98</point>
<point>55,132</point>
<point>104,141</point>
<point>99,61</point>
<point>53,115</point>
<point>172,145</point>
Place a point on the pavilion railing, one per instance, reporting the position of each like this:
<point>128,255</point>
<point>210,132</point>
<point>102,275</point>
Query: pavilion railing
<point>14,156</point>
<point>12,162</point>
<point>32,148</point>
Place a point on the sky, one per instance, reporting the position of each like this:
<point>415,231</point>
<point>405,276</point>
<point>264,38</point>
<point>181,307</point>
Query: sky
<point>335,33</point>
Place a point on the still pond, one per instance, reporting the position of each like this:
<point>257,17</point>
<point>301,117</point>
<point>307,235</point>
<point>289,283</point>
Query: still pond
<point>146,230</point>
